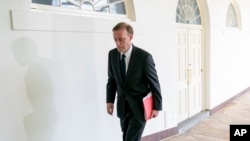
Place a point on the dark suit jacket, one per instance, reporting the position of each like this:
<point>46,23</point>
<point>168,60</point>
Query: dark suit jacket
<point>141,78</point>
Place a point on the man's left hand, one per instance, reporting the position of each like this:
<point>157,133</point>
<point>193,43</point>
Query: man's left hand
<point>154,113</point>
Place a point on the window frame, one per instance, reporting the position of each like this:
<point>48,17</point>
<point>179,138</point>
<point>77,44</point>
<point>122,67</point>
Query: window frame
<point>180,15</point>
<point>232,9</point>
<point>68,11</point>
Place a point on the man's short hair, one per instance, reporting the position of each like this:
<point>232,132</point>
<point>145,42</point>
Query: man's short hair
<point>123,25</point>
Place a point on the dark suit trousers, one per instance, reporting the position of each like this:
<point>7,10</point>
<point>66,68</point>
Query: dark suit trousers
<point>131,127</point>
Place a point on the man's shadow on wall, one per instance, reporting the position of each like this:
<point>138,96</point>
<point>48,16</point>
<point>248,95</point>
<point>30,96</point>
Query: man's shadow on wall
<point>39,124</point>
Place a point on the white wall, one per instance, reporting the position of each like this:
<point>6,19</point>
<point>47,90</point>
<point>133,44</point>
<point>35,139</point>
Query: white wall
<point>229,49</point>
<point>60,91</point>
<point>64,73</point>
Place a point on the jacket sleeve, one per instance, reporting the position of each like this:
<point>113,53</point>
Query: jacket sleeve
<point>111,84</point>
<point>153,81</point>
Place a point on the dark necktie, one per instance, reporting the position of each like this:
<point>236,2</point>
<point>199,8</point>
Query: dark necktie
<point>123,66</point>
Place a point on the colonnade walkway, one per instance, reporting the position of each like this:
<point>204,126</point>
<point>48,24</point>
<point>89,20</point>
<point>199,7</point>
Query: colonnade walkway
<point>216,127</point>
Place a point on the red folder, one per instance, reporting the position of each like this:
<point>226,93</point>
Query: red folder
<point>148,105</point>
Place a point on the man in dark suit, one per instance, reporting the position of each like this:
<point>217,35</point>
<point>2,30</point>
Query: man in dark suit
<point>131,81</point>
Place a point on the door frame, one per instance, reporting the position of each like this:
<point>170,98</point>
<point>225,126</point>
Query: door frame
<point>199,27</point>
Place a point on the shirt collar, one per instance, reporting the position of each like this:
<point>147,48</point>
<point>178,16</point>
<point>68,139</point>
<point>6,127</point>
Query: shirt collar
<point>128,53</point>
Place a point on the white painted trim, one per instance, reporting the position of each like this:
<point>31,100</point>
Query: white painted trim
<point>61,22</point>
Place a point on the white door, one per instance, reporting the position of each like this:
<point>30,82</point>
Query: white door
<point>189,43</point>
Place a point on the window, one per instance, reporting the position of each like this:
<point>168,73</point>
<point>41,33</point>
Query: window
<point>231,17</point>
<point>105,6</point>
<point>188,12</point>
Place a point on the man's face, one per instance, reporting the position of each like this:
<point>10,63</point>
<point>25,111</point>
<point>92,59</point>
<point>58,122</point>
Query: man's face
<point>122,40</point>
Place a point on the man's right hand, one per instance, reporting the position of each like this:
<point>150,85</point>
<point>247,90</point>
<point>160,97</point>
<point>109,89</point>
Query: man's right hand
<point>110,108</point>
